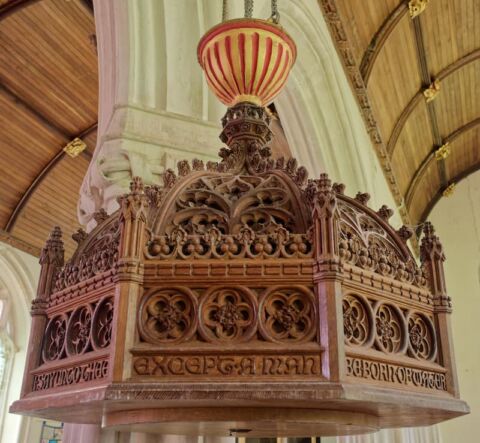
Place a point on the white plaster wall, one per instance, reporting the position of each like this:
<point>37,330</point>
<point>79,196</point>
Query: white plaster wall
<point>457,222</point>
<point>19,274</point>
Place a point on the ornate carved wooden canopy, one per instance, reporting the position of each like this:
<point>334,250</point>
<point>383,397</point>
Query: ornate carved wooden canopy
<point>242,298</point>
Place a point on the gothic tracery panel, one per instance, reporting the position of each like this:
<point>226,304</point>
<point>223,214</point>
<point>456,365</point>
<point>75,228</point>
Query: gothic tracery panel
<point>365,243</point>
<point>232,216</point>
<point>357,320</point>
<point>288,314</point>
<point>168,315</point>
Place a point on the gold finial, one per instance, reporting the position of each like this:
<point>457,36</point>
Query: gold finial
<point>75,147</point>
<point>416,7</point>
<point>431,92</point>
<point>448,191</point>
<point>442,152</point>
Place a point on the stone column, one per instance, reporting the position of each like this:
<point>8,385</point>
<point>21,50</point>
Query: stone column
<point>154,106</point>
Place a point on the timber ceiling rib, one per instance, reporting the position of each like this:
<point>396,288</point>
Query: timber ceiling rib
<point>48,97</point>
<point>395,50</point>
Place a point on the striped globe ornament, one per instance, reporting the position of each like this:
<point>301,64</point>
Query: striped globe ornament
<point>246,60</point>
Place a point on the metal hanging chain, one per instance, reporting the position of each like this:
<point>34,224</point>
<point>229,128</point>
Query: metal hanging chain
<point>275,17</point>
<point>224,10</point>
<point>248,8</point>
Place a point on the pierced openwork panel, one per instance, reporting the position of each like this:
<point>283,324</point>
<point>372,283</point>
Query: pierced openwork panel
<point>228,313</point>
<point>358,324</point>
<point>86,328</point>
<point>54,338</point>
<point>421,336</point>
<point>288,314</point>
<point>97,254</point>
<point>390,328</point>
<point>366,243</point>
<point>226,216</point>
<point>168,315</point>
<point>78,331</point>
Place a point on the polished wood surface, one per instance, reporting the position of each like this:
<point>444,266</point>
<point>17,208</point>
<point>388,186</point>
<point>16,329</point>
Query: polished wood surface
<point>397,57</point>
<point>242,298</point>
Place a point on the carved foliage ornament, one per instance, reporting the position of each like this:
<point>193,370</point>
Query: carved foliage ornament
<point>227,314</point>
<point>421,334</point>
<point>98,255</point>
<point>357,320</point>
<point>369,324</point>
<point>232,216</point>
<point>288,314</point>
<point>365,243</point>
<point>389,328</point>
<point>168,315</point>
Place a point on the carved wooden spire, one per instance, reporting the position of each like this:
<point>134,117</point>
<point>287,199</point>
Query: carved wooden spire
<point>53,252</point>
<point>432,258</point>
<point>322,197</point>
<point>51,259</point>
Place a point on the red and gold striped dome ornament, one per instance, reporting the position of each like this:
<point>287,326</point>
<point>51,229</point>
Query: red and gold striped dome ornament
<point>246,60</point>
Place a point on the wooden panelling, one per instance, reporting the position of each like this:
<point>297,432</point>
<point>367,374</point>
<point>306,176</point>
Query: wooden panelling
<point>48,94</point>
<point>414,144</point>
<point>363,22</point>
<point>458,103</point>
<point>22,137</point>
<point>47,59</point>
<point>401,57</point>
<point>392,85</point>
<point>426,189</point>
<point>54,203</point>
<point>465,151</point>
<point>451,31</point>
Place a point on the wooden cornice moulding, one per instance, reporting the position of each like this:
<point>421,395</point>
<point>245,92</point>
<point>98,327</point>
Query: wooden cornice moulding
<point>238,282</point>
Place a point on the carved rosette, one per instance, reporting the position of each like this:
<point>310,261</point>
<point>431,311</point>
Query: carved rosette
<point>390,329</point>
<point>228,314</point>
<point>357,321</point>
<point>78,331</point>
<point>288,314</point>
<point>421,337</point>
<point>54,338</point>
<point>168,315</point>
<point>102,323</point>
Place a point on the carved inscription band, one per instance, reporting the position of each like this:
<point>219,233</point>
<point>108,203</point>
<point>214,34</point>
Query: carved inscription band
<point>391,373</point>
<point>88,372</point>
<point>228,365</point>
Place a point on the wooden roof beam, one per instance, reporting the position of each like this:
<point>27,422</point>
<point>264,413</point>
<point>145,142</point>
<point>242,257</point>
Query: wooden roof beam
<point>14,6</point>
<point>378,41</point>
<point>417,98</point>
<point>40,177</point>
<point>431,157</point>
<point>25,106</point>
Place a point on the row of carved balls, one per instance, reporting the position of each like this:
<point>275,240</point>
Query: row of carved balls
<point>227,314</point>
<point>388,328</point>
<point>88,327</point>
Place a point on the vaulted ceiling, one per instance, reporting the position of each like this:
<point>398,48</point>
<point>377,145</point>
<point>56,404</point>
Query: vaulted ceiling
<point>394,50</point>
<point>49,97</point>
